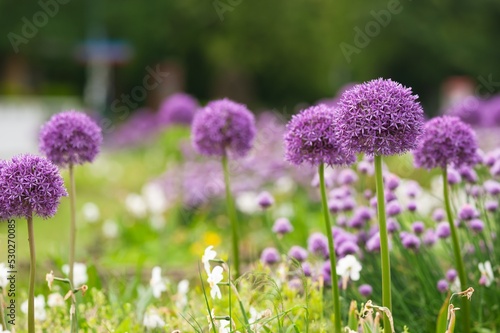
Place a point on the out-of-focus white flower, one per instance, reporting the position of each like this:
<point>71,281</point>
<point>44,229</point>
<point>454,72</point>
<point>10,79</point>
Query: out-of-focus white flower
<point>223,326</point>
<point>157,221</point>
<point>207,256</point>
<point>40,313</point>
<point>54,300</point>
<point>3,275</point>
<point>79,273</point>
<point>91,212</point>
<point>214,278</point>
<point>486,273</point>
<point>110,229</point>
<point>136,205</point>
<point>157,283</point>
<point>247,202</point>
<point>455,286</point>
<point>349,267</point>
<point>49,277</point>
<point>284,210</point>
<point>181,297</point>
<point>152,320</point>
<point>2,330</point>
<point>285,184</point>
<point>155,199</point>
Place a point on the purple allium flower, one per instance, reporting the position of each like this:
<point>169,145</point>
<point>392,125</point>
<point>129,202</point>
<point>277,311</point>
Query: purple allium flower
<point>390,196</point>
<point>393,208</point>
<point>265,200</point>
<point>373,244</point>
<point>223,127</point>
<point>451,275</point>
<point>442,286</point>
<point>365,290</point>
<point>295,284</point>
<point>492,187</point>
<point>347,247</point>
<point>446,141</point>
<point>298,253</point>
<point>491,206</point>
<point>366,168</point>
<point>270,256</point>
<point>467,212</point>
<point>70,138</point>
<point>282,226</point>
<point>335,206</point>
<point>453,176</point>
<point>392,225</point>
<point>410,241</point>
<point>476,225</point>
<point>318,244</point>
<point>348,204</point>
<point>438,214</point>
<point>495,169</point>
<point>468,173</point>
<point>391,182</point>
<point>443,230</point>
<point>411,206</point>
<point>29,185</point>
<point>178,108</point>
<point>341,220</point>
<point>475,191</point>
<point>306,268</point>
<point>418,227</point>
<point>347,177</point>
<point>379,117</point>
<point>413,189</point>
<point>429,237</point>
<point>367,194</point>
<point>468,109</point>
<point>311,137</point>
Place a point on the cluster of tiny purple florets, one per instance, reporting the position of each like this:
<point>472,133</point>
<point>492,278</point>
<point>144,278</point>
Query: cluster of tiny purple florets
<point>379,117</point>
<point>70,138</point>
<point>446,141</point>
<point>178,109</point>
<point>223,127</point>
<point>311,138</point>
<point>29,185</point>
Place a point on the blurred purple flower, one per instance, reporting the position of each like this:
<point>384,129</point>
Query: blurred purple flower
<point>140,127</point>
<point>282,226</point>
<point>438,214</point>
<point>298,253</point>
<point>379,117</point>
<point>223,127</point>
<point>270,256</point>
<point>443,230</point>
<point>317,243</point>
<point>492,187</point>
<point>491,206</point>
<point>410,241</point>
<point>178,108</point>
<point>467,212</point>
<point>265,200</point>
<point>70,138</point>
<point>373,244</point>
<point>393,208</point>
<point>442,286</point>
<point>429,237</point>
<point>451,275</point>
<point>453,176</point>
<point>476,225</point>
<point>418,227</point>
<point>365,290</point>
<point>347,177</point>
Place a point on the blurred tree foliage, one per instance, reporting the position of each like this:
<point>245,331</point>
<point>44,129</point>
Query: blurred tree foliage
<point>288,49</point>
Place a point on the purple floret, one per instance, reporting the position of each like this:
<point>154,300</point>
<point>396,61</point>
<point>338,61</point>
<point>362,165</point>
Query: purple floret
<point>70,138</point>
<point>30,185</point>
<point>282,226</point>
<point>311,138</point>
<point>365,290</point>
<point>178,108</point>
<point>298,253</point>
<point>270,256</point>
<point>379,117</point>
<point>318,244</point>
<point>223,127</point>
<point>442,286</point>
<point>476,225</point>
<point>451,275</point>
<point>446,141</point>
<point>265,199</point>
<point>467,212</point>
<point>418,227</point>
<point>410,241</point>
<point>443,230</point>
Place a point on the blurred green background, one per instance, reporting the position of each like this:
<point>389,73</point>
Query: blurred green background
<point>273,54</point>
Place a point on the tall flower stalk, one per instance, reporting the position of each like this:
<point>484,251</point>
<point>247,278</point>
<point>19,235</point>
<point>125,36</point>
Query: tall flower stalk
<point>311,138</point>
<point>449,141</point>
<point>19,197</point>
<point>72,226</point>
<point>225,129</point>
<point>380,118</point>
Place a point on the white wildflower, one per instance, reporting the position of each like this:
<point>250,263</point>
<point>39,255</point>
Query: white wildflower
<point>207,256</point>
<point>40,313</point>
<point>155,199</point>
<point>486,272</point>
<point>110,229</point>
<point>54,300</point>
<point>182,291</point>
<point>247,202</point>
<point>136,205</point>
<point>223,326</point>
<point>214,278</point>
<point>152,320</point>
<point>91,212</point>
<point>79,273</point>
<point>349,267</point>
<point>157,221</point>
<point>2,330</point>
<point>157,283</point>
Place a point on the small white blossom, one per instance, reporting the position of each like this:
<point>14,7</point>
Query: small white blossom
<point>110,229</point>
<point>214,278</point>
<point>157,283</point>
<point>223,326</point>
<point>3,275</point>
<point>155,199</point>
<point>91,212</point>
<point>349,267</point>
<point>2,330</point>
<point>182,290</point>
<point>157,221</point>
<point>486,272</point>
<point>136,205</point>
<point>247,202</point>
<point>79,273</point>
<point>207,256</point>
<point>152,320</point>
<point>40,313</point>
<point>54,300</point>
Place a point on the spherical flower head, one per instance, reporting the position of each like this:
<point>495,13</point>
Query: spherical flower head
<point>311,138</point>
<point>317,243</point>
<point>380,117</point>
<point>298,253</point>
<point>223,127</point>
<point>282,226</point>
<point>442,286</point>
<point>443,230</point>
<point>451,275</point>
<point>393,208</point>
<point>270,256</point>
<point>418,227</point>
<point>178,108</point>
<point>365,290</point>
<point>347,177</point>
<point>476,225</point>
<point>410,241</point>
<point>429,237</point>
<point>265,200</point>
<point>438,214</point>
<point>30,185</point>
<point>492,187</point>
<point>467,212</point>
<point>446,141</point>
<point>491,206</point>
<point>347,247</point>
<point>70,138</point>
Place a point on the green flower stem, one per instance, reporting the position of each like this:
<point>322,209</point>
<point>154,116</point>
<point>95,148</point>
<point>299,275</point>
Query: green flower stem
<point>465,308</point>
<point>31,290</point>
<point>384,242</point>
<point>333,259</point>
<point>72,228</point>
<point>232,216</point>
<point>2,313</point>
